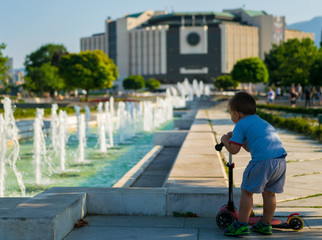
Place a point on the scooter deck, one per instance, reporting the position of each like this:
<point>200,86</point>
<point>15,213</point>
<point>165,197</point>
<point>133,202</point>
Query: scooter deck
<point>254,220</point>
<point>275,223</point>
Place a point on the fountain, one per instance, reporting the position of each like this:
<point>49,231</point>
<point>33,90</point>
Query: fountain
<point>3,150</point>
<point>63,164</point>
<point>54,122</point>
<point>112,111</point>
<point>101,128</point>
<point>109,124</point>
<point>121,120</point>
<point>40,146</point>
<point>77,109</point>
<point>11,134</point>
<point>81,138</point>
<point>87,119</point>
<point>63,138</point>
<point>195,87</point>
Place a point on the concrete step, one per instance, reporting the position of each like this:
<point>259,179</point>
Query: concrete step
<point>7,204</point>
<point>49,215</point>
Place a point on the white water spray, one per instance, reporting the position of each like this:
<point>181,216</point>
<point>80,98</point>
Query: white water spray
<point>54,122</point>
<point>101,127</point>
<point>82,138</point>
<point>40,152</point>
<point>77,109</point>
<point>3,150</point>
<point>87,119</point>
<point>11,133</point>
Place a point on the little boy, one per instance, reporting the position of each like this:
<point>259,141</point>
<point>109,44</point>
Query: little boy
<point>265,173</point>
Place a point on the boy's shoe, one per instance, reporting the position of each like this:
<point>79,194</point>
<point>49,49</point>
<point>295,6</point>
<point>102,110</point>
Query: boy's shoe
<point>235,229</point>
<point>262,228</point>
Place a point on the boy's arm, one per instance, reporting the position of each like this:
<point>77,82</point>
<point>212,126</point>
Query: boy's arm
<point>231,147</point>
<point>245,147</point>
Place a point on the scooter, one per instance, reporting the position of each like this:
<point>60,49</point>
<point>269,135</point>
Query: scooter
<point>228,213</point>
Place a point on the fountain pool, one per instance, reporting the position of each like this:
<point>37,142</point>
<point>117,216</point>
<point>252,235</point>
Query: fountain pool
<point>98,170</point>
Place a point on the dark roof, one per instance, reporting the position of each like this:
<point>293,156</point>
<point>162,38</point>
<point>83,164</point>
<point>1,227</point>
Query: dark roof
<point>98,34</point>
<point>134,15</point>
<point>171,17</point>
<point>253,13</point>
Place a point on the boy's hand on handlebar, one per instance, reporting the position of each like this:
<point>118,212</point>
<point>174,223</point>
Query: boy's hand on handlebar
<point>225,139</point>
<point>229,134</point>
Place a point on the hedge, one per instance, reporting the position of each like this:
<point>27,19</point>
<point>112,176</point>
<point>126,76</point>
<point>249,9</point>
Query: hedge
<point>31,112</point>
<point>301,110</point>
<point>297,124</point>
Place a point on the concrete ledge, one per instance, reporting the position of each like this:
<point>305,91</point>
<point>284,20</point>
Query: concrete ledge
<point>6,204</point>
<point>128,201</point>
<point>130,177</point>
<point>183,124</point>
<point>173,138</point>
<point>179,113</point>
<point>205,202</point>
<point>121,201</point>
<point>45,216</point>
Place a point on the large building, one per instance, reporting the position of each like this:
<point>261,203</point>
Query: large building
<point>194,45</point>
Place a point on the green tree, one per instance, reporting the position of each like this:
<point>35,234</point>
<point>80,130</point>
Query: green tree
<point>250,70</point>
<point>152,84</point>
<point>88,70</point>
<point>315,77</point>
<point>134,82</point>
<point>42,71</point>
<point>44,78</point>
<point>290,62</point>
<point>3,66</point>
<point>225,82</point>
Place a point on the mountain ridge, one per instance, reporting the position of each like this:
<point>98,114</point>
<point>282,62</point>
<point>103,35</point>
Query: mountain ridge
<point>314,26</point>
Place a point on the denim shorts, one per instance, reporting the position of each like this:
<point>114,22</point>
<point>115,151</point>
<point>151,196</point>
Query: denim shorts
<point>265,175</point>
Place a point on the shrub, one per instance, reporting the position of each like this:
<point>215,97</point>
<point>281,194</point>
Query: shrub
<point>225,82</point>
<point>134,82</point>
<point>152,84</point>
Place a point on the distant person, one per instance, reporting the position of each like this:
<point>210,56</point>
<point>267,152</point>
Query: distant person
<point>265,173</point>
<point>293,96</point>
<point>278,91</point>
<point>270,96</point>
<point>314,95</point>
<point>299,91</point>
<point>308,95</point>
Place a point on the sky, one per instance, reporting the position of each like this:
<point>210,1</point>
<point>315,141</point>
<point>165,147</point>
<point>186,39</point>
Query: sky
<point>26,25</point>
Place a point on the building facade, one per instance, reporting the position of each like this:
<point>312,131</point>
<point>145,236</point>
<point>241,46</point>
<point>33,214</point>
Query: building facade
<point>196,45</point>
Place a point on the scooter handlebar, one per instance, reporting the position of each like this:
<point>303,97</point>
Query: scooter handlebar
<point>219,146</point>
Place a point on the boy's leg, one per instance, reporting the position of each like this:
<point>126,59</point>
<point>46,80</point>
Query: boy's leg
<point>245,206</point>
<point>269,200</point>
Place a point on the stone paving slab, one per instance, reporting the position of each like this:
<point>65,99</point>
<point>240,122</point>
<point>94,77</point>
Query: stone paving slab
<point>307,202</point>
<point>197,166</point>
<point>190,182</point>
<point>286,211</point>
<point>150,228</point>
<point>135,221</point>
<point>130,233</point>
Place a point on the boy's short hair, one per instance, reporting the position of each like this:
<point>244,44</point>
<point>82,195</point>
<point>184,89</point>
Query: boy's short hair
<point>243,102</point>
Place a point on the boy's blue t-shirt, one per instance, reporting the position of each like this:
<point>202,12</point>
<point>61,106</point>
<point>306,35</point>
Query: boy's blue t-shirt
<point>262,139</point>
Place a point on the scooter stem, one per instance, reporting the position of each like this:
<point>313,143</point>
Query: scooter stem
<point>230,165</point>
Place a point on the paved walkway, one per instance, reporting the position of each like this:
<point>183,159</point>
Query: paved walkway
<point>303,193</point>
<point>166,228</point>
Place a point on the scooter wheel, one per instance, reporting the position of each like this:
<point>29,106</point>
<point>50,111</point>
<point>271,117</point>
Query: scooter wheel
<point>296,223</point>
<point>224,219</point>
